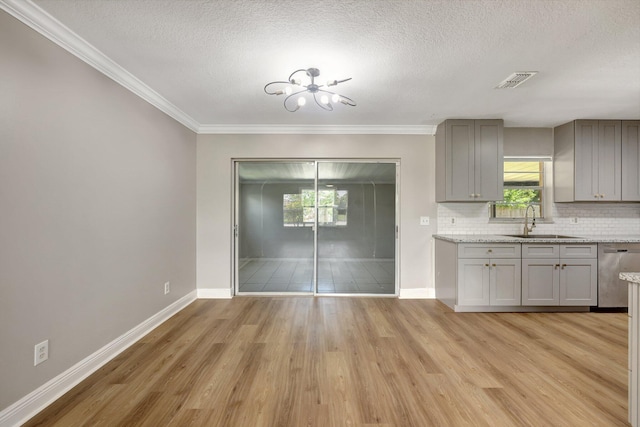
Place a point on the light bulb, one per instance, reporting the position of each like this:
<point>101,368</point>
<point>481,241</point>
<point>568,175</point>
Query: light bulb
<point>324,99</point>
<point>288,90</point>
<point>301,102</point>
<point>335,97</point>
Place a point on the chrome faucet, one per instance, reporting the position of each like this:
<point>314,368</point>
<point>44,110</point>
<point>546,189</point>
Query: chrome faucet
<point>528,229</point>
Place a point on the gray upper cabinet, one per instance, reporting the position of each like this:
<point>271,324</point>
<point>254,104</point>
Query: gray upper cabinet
<point>469,161</point>
<point>588,164</point>
<point>631,160</point>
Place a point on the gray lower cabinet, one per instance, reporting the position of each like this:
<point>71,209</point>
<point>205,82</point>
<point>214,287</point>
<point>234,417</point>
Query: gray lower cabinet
<point>488,275</point>
<point>559,275</point>
<point>479,276</point>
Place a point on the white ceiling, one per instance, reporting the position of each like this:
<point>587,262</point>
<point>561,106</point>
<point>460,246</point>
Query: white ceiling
<point>413,63</point>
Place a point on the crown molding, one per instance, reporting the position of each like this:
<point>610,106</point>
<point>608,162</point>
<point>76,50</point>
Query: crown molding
<point>39,20</point>
<point>320,129</point>
<point>42,22</point>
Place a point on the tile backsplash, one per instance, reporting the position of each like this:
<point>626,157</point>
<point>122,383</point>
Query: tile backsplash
<point>592,219</point>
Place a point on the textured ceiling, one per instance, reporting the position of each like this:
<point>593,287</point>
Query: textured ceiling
<point>412,62</point>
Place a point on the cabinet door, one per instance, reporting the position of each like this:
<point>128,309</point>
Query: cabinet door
<point>579,282</point>
<point>459,158</point>
<point>540,282</point>
<point>609,160</point>
<point>505,282</point>
<point>586,160</point>
<point>473,282</point>
<point>631,160</point>
<point>488,160</point>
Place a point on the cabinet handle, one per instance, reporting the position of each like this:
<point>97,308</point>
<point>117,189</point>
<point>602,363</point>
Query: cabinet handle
<point>601,196</point>
<point>489,250</point>
<point>486,265</point>
<point>563,266</point>
<point>556,266</point>
<point>493,265</point>
<point>596,195</point>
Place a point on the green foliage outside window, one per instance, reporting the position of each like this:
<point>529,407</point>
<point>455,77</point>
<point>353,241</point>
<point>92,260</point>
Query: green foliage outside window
<point>519,197</point>
<point>299,209</point>
<point>523,186</point>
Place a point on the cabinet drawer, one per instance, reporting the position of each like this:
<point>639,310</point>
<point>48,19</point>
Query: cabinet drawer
<point>541,250</point>
<point>578,251</point>
<point>483,250</point>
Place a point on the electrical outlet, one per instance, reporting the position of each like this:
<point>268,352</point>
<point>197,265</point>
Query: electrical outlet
<point>453,220</point>
<point>573,220</point>
<point>167,287</point>
<point>424,220</point>
<point>41,352</point>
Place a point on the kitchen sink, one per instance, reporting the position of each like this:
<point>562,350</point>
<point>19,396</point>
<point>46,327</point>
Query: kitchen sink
<point>542,236</point>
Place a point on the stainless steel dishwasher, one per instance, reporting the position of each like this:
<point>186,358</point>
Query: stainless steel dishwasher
<point>613,259</point>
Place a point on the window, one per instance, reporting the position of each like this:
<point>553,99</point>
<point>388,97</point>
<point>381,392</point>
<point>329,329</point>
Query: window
<point>523,186</point>
<point>299,209</point>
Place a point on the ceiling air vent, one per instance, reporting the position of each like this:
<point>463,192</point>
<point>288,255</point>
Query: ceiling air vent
<point>516,79</point>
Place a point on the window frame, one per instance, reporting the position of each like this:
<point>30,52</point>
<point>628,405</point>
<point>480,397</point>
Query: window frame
<point>546,194</point>
<point>309,210</point>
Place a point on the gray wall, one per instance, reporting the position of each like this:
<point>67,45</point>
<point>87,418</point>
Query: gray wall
<point>97,194</point>
<point>417,194</point>
<point>528,142</point>
<point>262,233</point>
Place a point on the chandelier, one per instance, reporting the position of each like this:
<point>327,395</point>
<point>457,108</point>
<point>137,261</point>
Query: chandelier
<point>296,91</point>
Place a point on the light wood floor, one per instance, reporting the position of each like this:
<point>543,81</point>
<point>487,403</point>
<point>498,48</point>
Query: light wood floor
<point>328,361</point>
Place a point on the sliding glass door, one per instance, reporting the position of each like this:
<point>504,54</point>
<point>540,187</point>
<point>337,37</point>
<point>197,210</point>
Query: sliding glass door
<point>274,227</point>
<point>356,242</point>
<point>316,227</point>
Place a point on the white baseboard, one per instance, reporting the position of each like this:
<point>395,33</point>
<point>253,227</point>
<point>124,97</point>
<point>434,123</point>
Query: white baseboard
<point>43,396</point>
<point>417,293</point>
<point>211,293</point>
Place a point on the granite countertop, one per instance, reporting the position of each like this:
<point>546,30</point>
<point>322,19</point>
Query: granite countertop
<point>496,238</point>
<point>630,277</point>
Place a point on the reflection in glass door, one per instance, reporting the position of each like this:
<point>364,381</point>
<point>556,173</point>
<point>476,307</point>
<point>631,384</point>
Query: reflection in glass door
<point>315,227</point>
<point>356,238</point>
<point>275,227</point>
